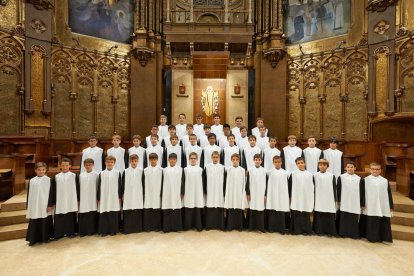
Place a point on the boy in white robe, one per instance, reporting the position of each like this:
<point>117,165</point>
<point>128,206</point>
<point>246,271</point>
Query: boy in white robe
<point>228,151</point>
<point>236,130</point>
<point>181,127</point>
<point>243,141</point>
<point>198,126</point>
<point>94,152</point>
<point>167,139</point>
<point>203,139</point>
<point>249,152</point>
<point>217,128</point>
<point>223,142</point>
<point>193,201</point>
<point>185,140</point>
<point>270,152</point>
<point>277,198</point>
<point>174,148</point>
<point>325,200</point>
<point>138,150</point>
<point>121,156</point>
<point>152,182</point>
<point>351,196</point>
<point>262,139</point>
<point>235,199</point>
<point>312,154</point>
<point>154,131</point>
<point>259,123</point>
<point>289,154</point>
<point>65,186</point>
<point>193,147</point>
<point>172,191</point>
<point>214,177</point>
<point>88,215</point>
<point>375,223</point>
<point>39,207</point>
<point>335,158</point>
<point>208,150</point>
<point>155,148</point>
<point>109,198</point>
<point>162,128</point>
<point>301,193</point>
<point>256,195</point>
<point>132,197</point>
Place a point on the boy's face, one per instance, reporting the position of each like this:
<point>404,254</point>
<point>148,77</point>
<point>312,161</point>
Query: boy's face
<point>172,161</point>
<point>193,140</point>
<point>174,141</point>
<point>311,142</point>
<point>134,163</point>
<point>65,166</point>
<point>40,171</point>
<point>350,169</point>
<point>231,140</point>
<point>216,120</point>
<point>226,131</point>
<point>154,130</point>
<point>181,119</point>
<point>301,165</point>
<point>235,161</point>
<point>239,122</point>
<point>199,120</point>
<point>243,132</point>
<point>109,164</point>
<point>375,170</point>
<point>116,142</point>
<point>193,160</point>
<point>88,167</point>
<point>153,162</point>
<point>333,145</point>
<point>163,121</point>
<point>92,142</point>
<point>136,142</point>
<point>207,131</point>
<point>190,130</point>
<point>215,158</point>
<point>322,167</point>
<point>292,142</point>
<point>154,141</point>
<point>262,131</point>
<point>171,131</point>
<point>272,143</point>
<point>252,142</point>
<point>211,140</point>
<point>259,123</point>
<point>277,163</point>
<point>257,162</point>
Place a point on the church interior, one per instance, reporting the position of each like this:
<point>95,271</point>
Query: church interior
<point>328,69</point>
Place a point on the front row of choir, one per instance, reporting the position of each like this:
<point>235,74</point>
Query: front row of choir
<point>175,199</point>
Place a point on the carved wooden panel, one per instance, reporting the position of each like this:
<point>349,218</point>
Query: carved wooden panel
<point>406,77</point>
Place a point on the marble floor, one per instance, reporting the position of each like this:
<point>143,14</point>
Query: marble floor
<point>206,253</point>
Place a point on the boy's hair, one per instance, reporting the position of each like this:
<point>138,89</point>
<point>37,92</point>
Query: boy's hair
<point>211,135</point>
<point>172,156</point>
<point>136,136</point>
<point>252,137</point>
<point>216,115</point>
<point>273,138</point>
<point>154,126</point>
<point>226,126</point>
<point>276,157</point>
<point>92,137</point>
<point>67,160</point>
<point>231,135</point>
<point>259,119</point>
<point>333,140</point>
<point>189,125</point>
<point>198,115</point>
<point>258,156</point>
<point>153,156</point>
<point>238,118</point>
<point>311,137</point>
<point>171,127</point>
<point>299,159</point>
<point>182,114</point>
<point>192,135</point>
<point>154,135</point>
<point>292,137</point>
<point>163,116</point>
<point>193,154</point>
<point>173,137</point>
<point>215,153</point>
<point>133,157</point>
<point>243,127</point>
<point>262,127</point>
<point>350,163</point>
<point>206,126</point>
<point>323,161</point>
<point>374,164</point>
<point>117,136</point>
<point>110,157</point>
<point>40,165</point>
<point>235,155</point>
<point>88,161</point>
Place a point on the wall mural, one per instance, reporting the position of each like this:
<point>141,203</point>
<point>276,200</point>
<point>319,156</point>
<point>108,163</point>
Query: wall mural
<point>307,20</point>
<point>107,19</point>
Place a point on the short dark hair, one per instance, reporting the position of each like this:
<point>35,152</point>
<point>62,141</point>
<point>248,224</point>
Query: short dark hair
<point>211,135</point>
<point>67,160</point>
<point>258,156</point>
<point>133,157</point>
<point>172,156</point>
<point>88,161</point>
<point>299,159</point>
<point>153,156</point>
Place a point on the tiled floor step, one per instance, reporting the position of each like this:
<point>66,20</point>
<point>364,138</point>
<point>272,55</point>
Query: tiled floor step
<point>11,232</point>
<point>12,217</point>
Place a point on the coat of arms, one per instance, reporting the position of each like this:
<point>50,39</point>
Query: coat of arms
<point>209,101</point>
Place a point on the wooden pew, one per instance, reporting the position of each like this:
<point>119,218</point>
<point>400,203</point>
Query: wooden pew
<point>390,152</point>
<point>15,163</point>
<point>405,167</point>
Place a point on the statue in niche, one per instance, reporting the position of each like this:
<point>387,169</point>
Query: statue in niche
<point>209,101</point>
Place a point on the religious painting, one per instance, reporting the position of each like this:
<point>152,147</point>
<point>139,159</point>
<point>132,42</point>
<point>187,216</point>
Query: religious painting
<point>107,19</point>
<point>308,20</point>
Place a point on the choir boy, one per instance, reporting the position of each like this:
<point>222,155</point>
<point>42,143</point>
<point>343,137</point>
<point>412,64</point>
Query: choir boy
<point>235,200</point>
<point>152,181</point>
<point>174,148</point>
<point>248,153</point>
<point>270,152</point>
<point>172,191</point>
<point>277,198</point>
<point>256,195</point>
<point>94,152</point>
<point>199,126</point>
<point>262,139</point>
<point>325,200</point>
<point>335,158</point>
<point>193,147</point>
<point>193,201</point>
<point>203,139</point>
<point>228,151</point>
<point>376,222</point>
<point>109,198</point>
<point>65,186</point>
<point>256,130</point>
<point>39,207</point>
<point>185,140</point>
<point>132,196</point>
<point>226,132</point>
<point>243,141</point>
<point>214,177</point>
<point>236,130</point>
<point>88,215</point>
<point>217,128</point>
<point>301,193</point>
<point>121,156</point>
<point>181,127</point>
<point>289,154</point>
<point>171,132</point>
<point>208,150</point>
<point>162,128</point>
<point>351,196</point>
<point>312,154</point>
<point>154,131</point>
<point>155,148</point>
<point>138,150</point>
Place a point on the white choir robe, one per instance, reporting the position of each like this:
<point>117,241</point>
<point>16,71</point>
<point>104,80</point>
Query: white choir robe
<point>87,216</point>
<point>180,130</point>
<point>277,198</point>
<point>325,204</point>
<point>248,154</point>
<point>336,161</point>
<point>162,131</point>
<point>157,150</point>
<point>207,151</point>
<point>242,143</point>
<point>268,154</point>
<point>256,188</point>
<point>171,204</point>
<point>198,130</point>
<point>185,141</point>
<point>140,151</point>
<point>94,153</point>
<point>173,149</point>
<point>256,132</point>
<point>235,196</point>
<point>193,201</point>
<point>289,155</point>
<point>223,142</point>
<point>218,131</point>
<point>203,141</point>
<point>197,149</point>
<point>152,198</point>
<point>236,132</point>
<point>227,153</point>
<point>167,141</point>
<point>119,154</point>
<point>133,200</point>
<point>302,191</point>
<point>262,142</point>
<point>312,156</point>
<point>214,177</point>
<point>148,141</point>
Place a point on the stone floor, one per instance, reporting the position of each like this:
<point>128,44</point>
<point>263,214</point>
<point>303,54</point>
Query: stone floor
<point>206,253</point>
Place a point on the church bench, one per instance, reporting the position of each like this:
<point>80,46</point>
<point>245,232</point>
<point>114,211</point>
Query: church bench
<point>405,167</point>
<point>15,163</point>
